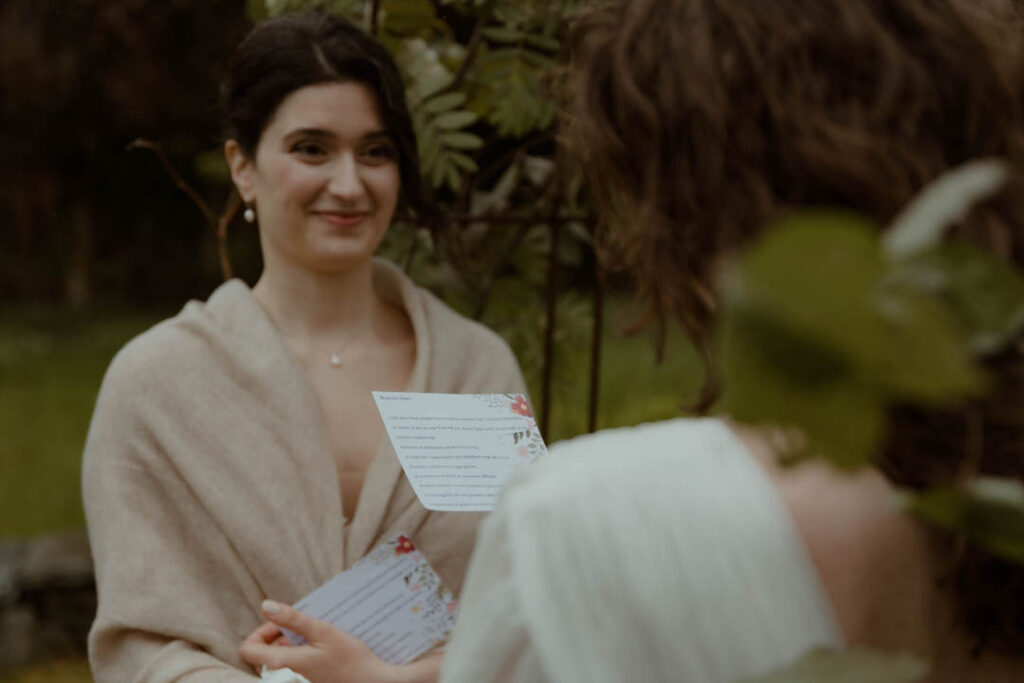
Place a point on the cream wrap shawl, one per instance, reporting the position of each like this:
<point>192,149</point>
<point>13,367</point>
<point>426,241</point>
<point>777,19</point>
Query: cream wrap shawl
<point>209,484</point>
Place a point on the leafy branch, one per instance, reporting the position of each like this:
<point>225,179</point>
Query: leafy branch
<point>828,324</point>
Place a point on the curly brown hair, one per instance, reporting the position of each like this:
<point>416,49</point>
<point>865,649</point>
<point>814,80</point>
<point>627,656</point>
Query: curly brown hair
<point>699,122</point>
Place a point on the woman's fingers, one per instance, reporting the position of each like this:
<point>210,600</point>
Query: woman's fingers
<point>268,632</point>
<point>262,646</point>
<point>285,616</point>
<point>264,634</point>
<point>256,651</point>
<point>330,655</point>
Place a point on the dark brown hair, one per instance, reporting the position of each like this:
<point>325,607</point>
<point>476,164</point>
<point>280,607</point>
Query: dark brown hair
<point>699,122</point>
<point>292,51</point>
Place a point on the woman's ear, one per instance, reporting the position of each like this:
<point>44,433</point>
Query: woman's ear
<point>241,170</point>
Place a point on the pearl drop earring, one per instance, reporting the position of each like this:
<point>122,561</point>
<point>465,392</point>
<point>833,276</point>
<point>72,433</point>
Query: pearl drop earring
<point>249,215</point>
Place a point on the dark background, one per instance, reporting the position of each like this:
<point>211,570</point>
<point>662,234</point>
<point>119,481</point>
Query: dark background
<point>83,220</point>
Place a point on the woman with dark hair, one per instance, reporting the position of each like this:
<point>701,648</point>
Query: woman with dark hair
<point>235,452</point>
<point>679,551</point>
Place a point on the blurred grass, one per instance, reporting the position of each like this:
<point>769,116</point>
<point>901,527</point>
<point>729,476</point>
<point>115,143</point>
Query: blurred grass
<point>633,388</point>
<point>59,671</point>
<point>51,365</point>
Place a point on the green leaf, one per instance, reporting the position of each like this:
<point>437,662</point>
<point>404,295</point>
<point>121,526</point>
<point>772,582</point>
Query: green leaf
<point>856,665</point>
<point>428,139</point>
<point>815,273</point>
<point>520,113</point>
<point>433,85</point>
<point>538,169</point>
<point>452,177</point>
<point>511,77</point>
<point>817,335</point>
<point>436,126</point>
<point>797,320</point>
<point>539,60</point>
<point>984,293</point>
<point>542,42</point>
<point>942,202</point>
<point>503,34</point>
<point>580,233</point>
<point>502,55</point>
<point>464,162</point>
<point>988,510</point>
<point>822,275</point>
<point>461,140</point>
<point>446,102</point>
<point>927,359</point>
<point>453,120</point>
<point>514,12</point>
<point>406,17</point>
<point>774,377</point>
<point>496,200</point>
<point>345,8</point>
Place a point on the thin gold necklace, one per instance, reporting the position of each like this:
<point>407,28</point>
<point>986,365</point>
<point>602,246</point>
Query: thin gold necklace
<point>333,355</point>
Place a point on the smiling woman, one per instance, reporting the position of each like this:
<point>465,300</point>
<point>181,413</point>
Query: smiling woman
<point>235,452</point>
<point>326,179</point>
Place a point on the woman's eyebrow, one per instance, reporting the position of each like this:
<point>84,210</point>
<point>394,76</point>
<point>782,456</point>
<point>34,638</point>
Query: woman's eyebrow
<point>326,134</point>
<point>309,133</point>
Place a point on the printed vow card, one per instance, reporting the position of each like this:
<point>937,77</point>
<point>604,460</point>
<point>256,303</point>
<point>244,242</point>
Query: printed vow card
<point>458,449</point>
<point>391,600</point>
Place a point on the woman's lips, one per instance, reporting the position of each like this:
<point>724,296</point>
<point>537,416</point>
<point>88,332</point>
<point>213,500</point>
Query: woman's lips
<point>343,219</point>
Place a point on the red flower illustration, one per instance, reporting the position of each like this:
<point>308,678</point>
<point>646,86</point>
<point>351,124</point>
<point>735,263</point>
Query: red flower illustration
<point>520,406</point>
<point>404,546</point>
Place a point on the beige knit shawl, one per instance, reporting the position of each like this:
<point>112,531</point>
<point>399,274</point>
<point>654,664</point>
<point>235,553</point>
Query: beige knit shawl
<point>209,483</point>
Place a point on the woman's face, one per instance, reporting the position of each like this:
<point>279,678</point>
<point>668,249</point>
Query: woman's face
<point>324,180</point>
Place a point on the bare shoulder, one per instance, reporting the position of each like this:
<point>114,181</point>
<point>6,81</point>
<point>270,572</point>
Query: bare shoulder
<point>871,557</point>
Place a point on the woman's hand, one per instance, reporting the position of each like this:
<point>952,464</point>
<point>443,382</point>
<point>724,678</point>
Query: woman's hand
<point>329,656</point>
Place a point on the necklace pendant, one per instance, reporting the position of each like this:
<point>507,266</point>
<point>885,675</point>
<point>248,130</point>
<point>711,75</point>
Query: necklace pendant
<point>335,360</point>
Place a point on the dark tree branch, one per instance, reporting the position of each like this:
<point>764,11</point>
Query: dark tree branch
<point>484,175</point>
<point>507,253</point>
<point>471,50</point>
<point>411,253</point>
<point>141,143</point>
<point>218,226</point>
<point>374,18</point>
<point>548,372</point>
<point>595,347</point>
<point>233,205</point>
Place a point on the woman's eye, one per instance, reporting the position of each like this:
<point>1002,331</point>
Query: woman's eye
<point>309,149</point>
<point>379,153</point>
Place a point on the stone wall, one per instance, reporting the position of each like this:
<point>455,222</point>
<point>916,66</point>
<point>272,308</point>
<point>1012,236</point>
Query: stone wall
<point>47,598</point>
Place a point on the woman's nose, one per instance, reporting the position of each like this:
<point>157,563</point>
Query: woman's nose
<point>345,182</point>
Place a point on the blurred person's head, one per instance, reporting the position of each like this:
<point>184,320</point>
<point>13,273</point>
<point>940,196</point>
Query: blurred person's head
<point>291,52</point>
<point>700,122</point>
